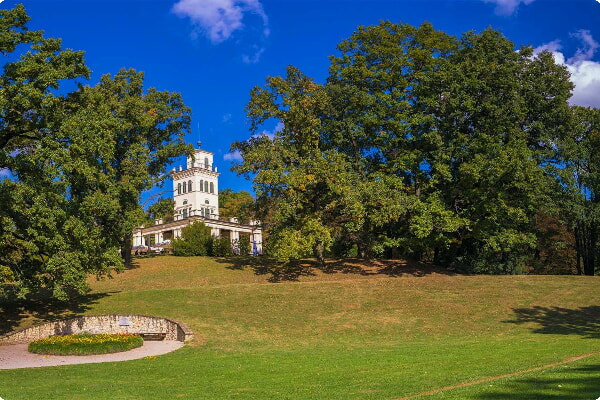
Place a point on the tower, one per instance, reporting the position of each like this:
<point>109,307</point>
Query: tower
<point>196,188</point>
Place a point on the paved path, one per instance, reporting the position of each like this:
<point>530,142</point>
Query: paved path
<point>17,356</point>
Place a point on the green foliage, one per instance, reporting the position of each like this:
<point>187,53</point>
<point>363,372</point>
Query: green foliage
<point>242,246</point>
<point>77,163</point>
<point>419,144</point>
<point>195,240</point>
<point>162,209</point>
<point>85,344</point>
<point>238,205</point>
<point>221,247</point>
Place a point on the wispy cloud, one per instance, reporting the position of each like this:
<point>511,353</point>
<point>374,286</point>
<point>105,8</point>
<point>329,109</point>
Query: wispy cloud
<point>254,57</point>
<point>237,156</point>
<point>271,134</point>
<point>220,19</point>
<point>585,72</point>
<point>233,156</point>
<point>508,7</point>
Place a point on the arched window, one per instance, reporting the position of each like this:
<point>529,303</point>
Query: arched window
<point>179,188</point>
<point>201,185</point>
<point>206,201</point>
<point>206,186</point>
<point>189,186</point>
<point>206,162</point>
<point>212,187</point>
<point>185,212</point>
<point>184,202</point>
<point>184,187</point>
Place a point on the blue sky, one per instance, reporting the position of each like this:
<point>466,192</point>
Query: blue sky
<point>214,51</point>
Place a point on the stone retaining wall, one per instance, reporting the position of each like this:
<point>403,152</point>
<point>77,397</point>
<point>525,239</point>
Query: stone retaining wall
<point>112,323</point>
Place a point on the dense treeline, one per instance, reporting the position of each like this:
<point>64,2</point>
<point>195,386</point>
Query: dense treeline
<point>462,151</point>
<point>73,165</point>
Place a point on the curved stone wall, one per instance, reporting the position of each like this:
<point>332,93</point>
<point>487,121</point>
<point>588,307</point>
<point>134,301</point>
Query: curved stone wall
<point>110,323</point>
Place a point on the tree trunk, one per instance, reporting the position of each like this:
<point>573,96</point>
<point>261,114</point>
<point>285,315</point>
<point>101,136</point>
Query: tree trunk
<point>318,250</point>
<point>126,245</point>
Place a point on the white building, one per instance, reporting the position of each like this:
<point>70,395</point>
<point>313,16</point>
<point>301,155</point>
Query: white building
<point>196,196</point>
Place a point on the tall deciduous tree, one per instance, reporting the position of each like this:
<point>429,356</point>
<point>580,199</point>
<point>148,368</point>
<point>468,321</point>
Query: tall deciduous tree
<point>580,186</point>
<point>73,166</point>
<point>141,131</point>
<point>238,205</point>
<point>419,142</point>
<point>163,209</point>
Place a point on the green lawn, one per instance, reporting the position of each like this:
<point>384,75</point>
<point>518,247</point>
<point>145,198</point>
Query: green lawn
<point>355,332</point>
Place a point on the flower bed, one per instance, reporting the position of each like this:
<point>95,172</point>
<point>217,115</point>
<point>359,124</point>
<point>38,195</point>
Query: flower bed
<point>85,344</point>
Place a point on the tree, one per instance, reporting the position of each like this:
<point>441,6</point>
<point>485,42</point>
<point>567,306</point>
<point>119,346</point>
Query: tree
<point>195,240</point>
<point>580,185</point>
<point>74,165</point>
<point>40,237</point>
<point>419,144</point>
<point>162,209</point>
<point>238,205</point>
<point>495,137</point>
<point>139,133</point>
<point>289,169</point>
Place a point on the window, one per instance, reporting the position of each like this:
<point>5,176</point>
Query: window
<point>189,186</point>
<point>206,162</point>
<point>179,188</point>
<point>201,185</point>
<point>212,187</point>
<point>206,186</point>
<point>184,202</point>
<point>185,213</point>
<point>206,201</point>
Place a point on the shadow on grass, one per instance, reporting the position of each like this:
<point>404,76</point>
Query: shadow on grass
<point>583,321</point>
<point>278,272</point>
<point>42,308</point>
<point>568,384</point>
<point>293,270</point>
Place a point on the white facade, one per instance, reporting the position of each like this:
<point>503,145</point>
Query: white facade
<point>196,188</point>
<point>196,196</point>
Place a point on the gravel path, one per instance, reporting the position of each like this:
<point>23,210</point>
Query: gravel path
<point>17,356</point>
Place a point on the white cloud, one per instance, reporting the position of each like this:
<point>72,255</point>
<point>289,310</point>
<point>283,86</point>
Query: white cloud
<point>271,134</point>
<point>255,57</point>
<point>237,156</point>
<point>508,7</point>
<point>219,19</point>
<point>585,73</point>
<point>226,117</point>
<point>233,156</point>
<point>589,49</point>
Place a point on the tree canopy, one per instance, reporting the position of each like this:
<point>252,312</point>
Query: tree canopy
<point>73,165</point>
<point>425,145</point>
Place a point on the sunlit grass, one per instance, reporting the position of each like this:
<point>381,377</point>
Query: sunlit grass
<point>374,331</point>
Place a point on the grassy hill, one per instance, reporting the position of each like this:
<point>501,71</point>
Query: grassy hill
<point>351,331</point>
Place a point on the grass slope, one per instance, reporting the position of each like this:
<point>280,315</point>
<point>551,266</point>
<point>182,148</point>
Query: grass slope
<point>354,331</point>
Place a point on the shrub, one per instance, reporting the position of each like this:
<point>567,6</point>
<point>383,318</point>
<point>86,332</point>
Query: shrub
<point>195,240</point>
<point>85,344</point>
<point>221,247</point>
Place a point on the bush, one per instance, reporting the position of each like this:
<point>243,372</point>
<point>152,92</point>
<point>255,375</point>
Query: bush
<point>85,344</point>
<point>195,240</point>
<point>242,245</point>
<point>221,247</point>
